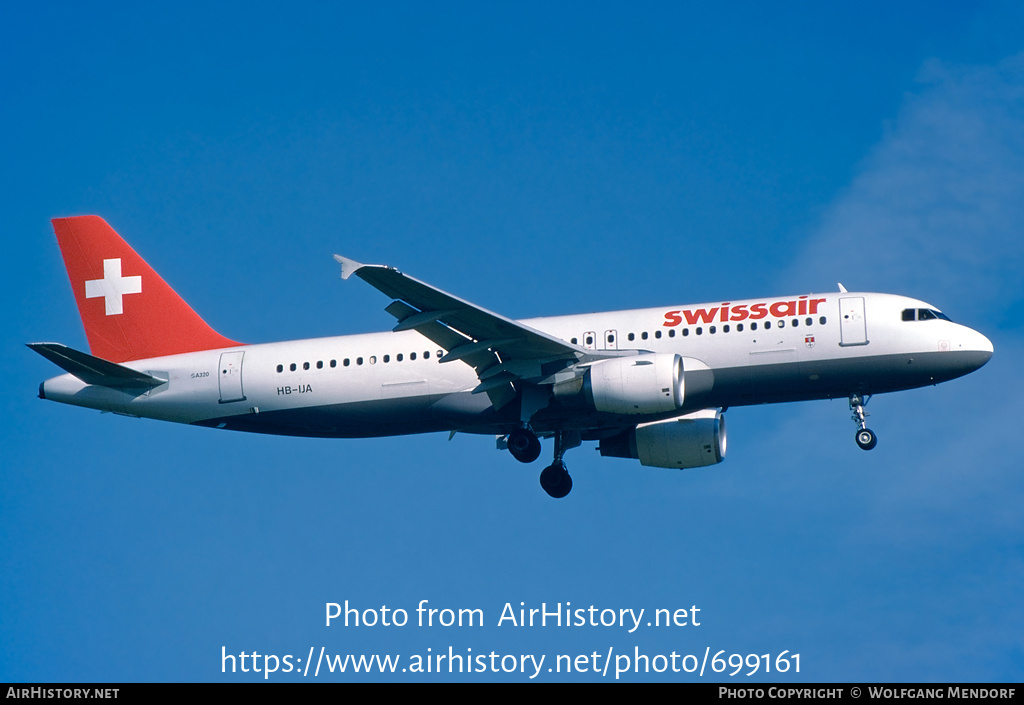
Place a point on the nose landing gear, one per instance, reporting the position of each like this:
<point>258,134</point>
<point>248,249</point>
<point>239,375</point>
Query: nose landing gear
<point>865,437</point>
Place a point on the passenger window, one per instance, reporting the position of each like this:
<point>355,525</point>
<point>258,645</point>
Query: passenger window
<point>657,334</point>
<point>319,364</point>
<point>412,356</point>
<point>711,330</point>
<point>644,335</point>
<point>632,336</point>
<point>292,367</point>
<point>280,368</point>
<point>387,358</point>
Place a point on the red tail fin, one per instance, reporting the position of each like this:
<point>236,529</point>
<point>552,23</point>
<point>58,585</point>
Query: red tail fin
<point>129,312</point>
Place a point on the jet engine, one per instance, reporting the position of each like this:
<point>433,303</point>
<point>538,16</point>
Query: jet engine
<point>650,383</point>
<point>688,441</point>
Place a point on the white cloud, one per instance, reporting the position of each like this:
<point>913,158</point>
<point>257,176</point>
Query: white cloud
<point>937,211</point>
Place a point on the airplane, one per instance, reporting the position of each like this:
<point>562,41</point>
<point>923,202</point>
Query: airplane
<point>651,384</point>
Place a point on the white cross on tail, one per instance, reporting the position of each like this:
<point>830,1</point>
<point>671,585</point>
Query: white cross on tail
<point>112,287</point>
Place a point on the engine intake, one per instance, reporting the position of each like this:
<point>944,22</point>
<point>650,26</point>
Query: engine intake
<point>651,383</point>
<point>689,441</point>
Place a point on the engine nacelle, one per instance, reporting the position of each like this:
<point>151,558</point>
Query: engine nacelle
<point>651,383</point>
<point>688,441</point>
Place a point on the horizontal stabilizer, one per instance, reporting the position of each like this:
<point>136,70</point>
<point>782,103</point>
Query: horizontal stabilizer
<point>95,370</point>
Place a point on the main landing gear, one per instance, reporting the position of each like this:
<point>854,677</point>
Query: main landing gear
<point>524,446</point>
<point>865,437</point>
<point>555,479</point>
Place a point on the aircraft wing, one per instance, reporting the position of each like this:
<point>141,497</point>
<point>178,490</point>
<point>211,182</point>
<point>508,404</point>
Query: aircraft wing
<point>483,329</point>
<point>500,349</point>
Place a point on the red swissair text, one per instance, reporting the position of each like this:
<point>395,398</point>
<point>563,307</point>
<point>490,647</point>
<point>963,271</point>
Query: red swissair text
<point>802,306</point>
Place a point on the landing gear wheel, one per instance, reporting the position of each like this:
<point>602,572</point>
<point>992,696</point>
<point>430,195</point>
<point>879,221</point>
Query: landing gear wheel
<point>524,445</point>
<point>556,481</point>
<point>866,438</point>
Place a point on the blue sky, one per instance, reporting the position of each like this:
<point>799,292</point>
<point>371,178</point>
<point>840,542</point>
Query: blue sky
<point>537,159</point>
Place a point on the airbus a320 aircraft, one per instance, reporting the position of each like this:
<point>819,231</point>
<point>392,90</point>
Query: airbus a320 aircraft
<point>649,384</point>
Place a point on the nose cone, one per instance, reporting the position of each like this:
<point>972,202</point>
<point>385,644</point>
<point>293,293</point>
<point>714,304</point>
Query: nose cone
<point>975,349</point>
<point>983,345</point>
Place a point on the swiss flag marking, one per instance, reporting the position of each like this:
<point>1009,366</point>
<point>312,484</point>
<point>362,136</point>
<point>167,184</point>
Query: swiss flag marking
<point>112,287</point>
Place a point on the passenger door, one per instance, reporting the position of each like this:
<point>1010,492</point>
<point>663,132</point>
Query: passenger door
<point>231,376</point>
<point>852,326</point>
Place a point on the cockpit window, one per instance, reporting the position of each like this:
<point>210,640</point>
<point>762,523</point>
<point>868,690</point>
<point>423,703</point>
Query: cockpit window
<point>923,314</point>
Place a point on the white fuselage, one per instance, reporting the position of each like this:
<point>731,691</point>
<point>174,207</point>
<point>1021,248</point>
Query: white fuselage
<point>392,383</point>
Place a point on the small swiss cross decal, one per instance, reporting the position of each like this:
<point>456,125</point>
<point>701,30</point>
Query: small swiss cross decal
<point>112,287</point>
